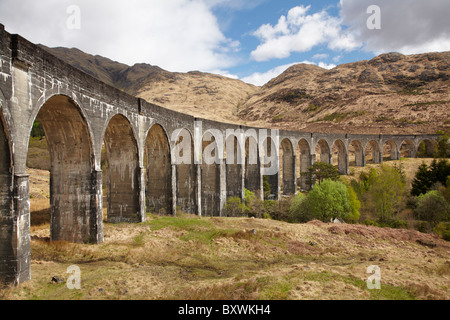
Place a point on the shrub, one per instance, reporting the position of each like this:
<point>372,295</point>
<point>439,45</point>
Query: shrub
<point>298,210</point>
<point>443,229</point>
<point>386,193</point>
<point>235,208</point>
<point>432,207</point>
<point>330,200</point>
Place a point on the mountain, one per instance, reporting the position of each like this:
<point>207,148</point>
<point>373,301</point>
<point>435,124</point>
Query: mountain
<point>392,93</point>
<point>195,93</point>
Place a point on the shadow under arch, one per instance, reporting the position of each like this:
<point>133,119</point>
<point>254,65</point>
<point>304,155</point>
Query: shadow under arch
<point>252,167</point>
<point>287,167</point>
<point>186,172</point>
<point>304,162</point>
<point>158,165</point>
<point>390,151</point>
<point>356,152</point>
<point>340,156</point>
<point>121,171</point>
<point>372,152</point>
<point>323,152</point>
<point>75,215</point>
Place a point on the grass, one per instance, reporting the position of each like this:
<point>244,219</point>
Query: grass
<point>188,257</point>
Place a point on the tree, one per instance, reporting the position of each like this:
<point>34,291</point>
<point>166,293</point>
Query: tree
<point>422,181</point>
<point>432,207</point>
<point>319,172</point>
<point>426,177</point>
<point>386,193</point>
<point>329,200</point>
<point>355,205</point>
<point>298,210</point>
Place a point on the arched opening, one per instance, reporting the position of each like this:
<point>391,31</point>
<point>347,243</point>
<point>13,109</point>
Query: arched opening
<point>73,216</point>
<point>287,167</point>
<point>157,162</point>
<point>234,167</point>
<point>210,178</point>
<point>304,162</point>
<point>407,149</point>
<point>340,159</point>
<point>252,170</point>
<point>270,164</point>
<point>372,152</point>
<point>323,152</point>
<point>427,149</point>
<point>120,172</point>
<point>185,173</point>
<point>356,154</point>
<point>390,151</point>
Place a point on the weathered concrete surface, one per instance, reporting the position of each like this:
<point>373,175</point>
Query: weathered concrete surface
<point>81,114</point>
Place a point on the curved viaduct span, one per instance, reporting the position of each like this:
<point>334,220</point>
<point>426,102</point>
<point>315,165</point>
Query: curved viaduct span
<point>158,160</point>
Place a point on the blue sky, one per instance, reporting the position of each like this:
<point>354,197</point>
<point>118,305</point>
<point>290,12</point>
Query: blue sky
<point>253,40</point>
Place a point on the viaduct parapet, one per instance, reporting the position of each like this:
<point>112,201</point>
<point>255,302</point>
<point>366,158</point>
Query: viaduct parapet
<point>158,160</point>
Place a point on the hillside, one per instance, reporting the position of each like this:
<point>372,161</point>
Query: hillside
<point>195,93</point>
<point>391,93</point>
<point>191,258</point>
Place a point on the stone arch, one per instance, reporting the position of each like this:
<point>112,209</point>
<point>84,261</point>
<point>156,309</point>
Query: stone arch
<point>186,172</point>
<point>234,167</point>
<point>407,149</point>
<point>210,175</point>
<point>372,152</point>
<point>74,215</point>
<point>323,152</point>
<point>287,167</point>
<point>158,166</point>
<point>122,171</point>
<point>269,153</point>
<point>390,150</point>
<point>252,169</point>
<point>340,157</point>
<point>356,152</point>
<point>303,163</point>
<point>426,148</point>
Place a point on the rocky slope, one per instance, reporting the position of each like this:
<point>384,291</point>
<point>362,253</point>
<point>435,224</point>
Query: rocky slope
<point>195,93</point>
<point>391,93</point>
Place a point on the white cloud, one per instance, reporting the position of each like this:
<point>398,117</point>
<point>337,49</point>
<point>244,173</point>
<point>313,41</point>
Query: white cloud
<point>177,35</point>
<point>259,79</point>
<point>407,26</point>
<point>300,32</point>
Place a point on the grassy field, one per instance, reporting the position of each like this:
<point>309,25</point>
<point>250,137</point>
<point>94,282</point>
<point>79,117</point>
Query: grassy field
<point>239,258</point>
<point>188,257</point>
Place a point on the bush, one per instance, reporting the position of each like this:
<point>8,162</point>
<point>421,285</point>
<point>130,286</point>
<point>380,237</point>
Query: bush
<point>298,210</point>
<point>331,200</point>
<point>443,230</point>
<point>235,208</point>
<point>432,207</point>
<point>386,193</point>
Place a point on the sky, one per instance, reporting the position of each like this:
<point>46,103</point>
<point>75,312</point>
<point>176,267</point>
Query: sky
<point>251,40</point>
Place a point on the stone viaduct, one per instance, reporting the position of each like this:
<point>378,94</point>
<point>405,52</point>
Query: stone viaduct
<point>158,160</point>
